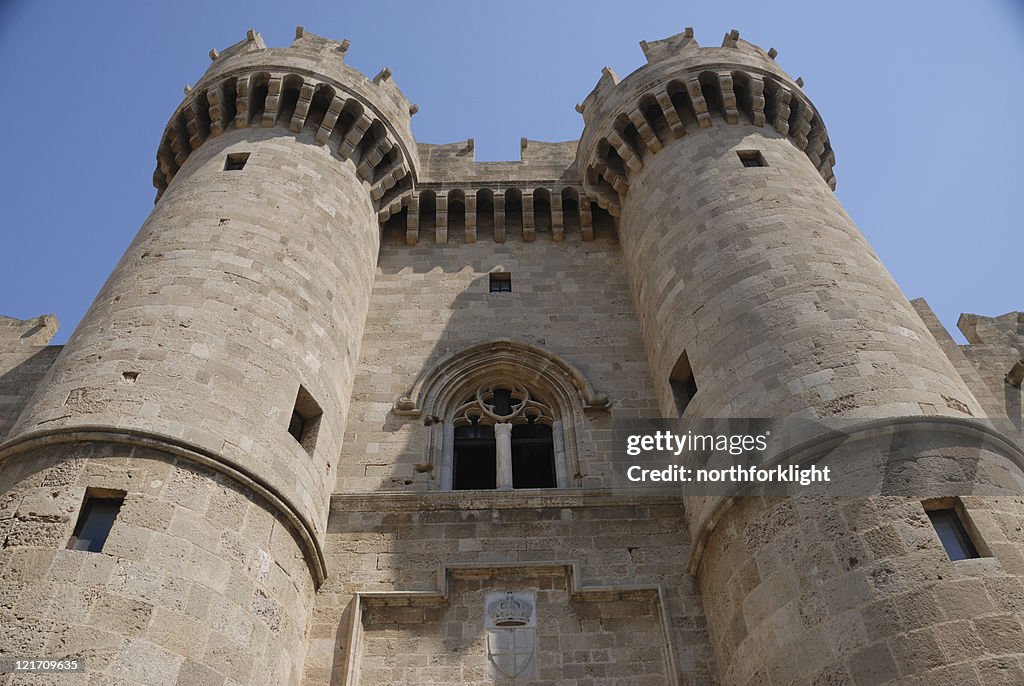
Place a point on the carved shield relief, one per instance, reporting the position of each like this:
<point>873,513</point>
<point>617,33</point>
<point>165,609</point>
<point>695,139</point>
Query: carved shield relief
<point>511,625</point>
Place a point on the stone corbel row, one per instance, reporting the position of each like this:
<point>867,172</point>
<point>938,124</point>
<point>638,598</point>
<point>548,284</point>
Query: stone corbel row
<point>292,101</point>
<point>659,115</point>
<point>414,204</point>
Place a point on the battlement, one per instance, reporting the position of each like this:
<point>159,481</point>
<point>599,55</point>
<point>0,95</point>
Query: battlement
<point>1005,329</point>
<point>306,89</point>
<point>25,357</point>
<point>538,161</point>
<point>684,88</point>
<point>283,447</point>
<point>540,192</point>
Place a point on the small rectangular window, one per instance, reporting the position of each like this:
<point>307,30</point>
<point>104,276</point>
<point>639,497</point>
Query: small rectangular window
<point>752,158</point>
<point>236,161</point>
<point>96,519</point>
<point>952,534</point>
<point>684,386</point>
<point>304,425</point>
<point>501,282</point>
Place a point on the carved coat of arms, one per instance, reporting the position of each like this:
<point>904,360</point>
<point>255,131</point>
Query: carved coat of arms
<point>511,634</point>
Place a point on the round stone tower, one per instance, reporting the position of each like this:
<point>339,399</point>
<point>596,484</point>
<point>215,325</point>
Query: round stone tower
<point>758,297</point>
<point>205,391</point>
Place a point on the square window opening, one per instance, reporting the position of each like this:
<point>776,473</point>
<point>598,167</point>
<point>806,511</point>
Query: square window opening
<point>684,385</point>
<point>95,519</point>
<point>236,161</point>
<point>954,529</point>
<point>752,158</point>
<point>304,425</point>
<point>501,282</point>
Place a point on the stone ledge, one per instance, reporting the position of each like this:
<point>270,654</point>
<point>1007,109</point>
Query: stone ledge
<point>397,501</point>
<point>175,447</point>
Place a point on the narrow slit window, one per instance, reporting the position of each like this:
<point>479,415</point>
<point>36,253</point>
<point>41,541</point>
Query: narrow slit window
<point>501,282</point>
<point>752,158</point>
<point>952,534</point>
<point>236,161</point>
<point>684,386</point>
<point>96,519</point>
<point>304,425</point>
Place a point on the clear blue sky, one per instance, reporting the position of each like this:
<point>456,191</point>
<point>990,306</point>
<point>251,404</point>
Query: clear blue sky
<point>922,100</point>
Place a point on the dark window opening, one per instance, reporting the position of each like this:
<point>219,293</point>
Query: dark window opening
<point>533,456</point>
<point>304,425</point>
<point>952,534</point>
<point>684,386</point>
<point>96,519</point>
<point>501,401</point>
<point>752,158</point>
<point>475,466</point>
<point>297,425</point>
<point>236,161</point>
<point>501,282</point>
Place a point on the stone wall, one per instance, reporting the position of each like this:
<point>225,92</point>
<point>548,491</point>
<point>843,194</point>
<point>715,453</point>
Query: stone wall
<point>430,300</point>
<point>614,601</point>
<point>860,591</point>
<point>198,583</point>
<point>392,529</point>
<point>237,289</point>
<point>995,347</point>
<point>25,358</point>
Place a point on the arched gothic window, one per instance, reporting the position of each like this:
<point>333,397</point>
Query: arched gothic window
<point>502,414</point>
<point>503,439</point>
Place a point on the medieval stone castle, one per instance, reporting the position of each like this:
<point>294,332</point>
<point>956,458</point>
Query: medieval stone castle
<point>343,412</point>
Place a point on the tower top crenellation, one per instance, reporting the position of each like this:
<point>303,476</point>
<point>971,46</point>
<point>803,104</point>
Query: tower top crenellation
<point>683,88</point>
<point>308,88</point>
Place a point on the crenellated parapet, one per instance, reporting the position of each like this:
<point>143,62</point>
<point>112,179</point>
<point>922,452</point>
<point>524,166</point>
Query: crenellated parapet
<point>305,89</point>
<point>684,88</point>
<point>539,196</point>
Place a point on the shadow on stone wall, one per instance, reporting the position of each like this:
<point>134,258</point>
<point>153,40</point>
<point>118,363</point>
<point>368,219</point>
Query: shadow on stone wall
<point>393,530</point>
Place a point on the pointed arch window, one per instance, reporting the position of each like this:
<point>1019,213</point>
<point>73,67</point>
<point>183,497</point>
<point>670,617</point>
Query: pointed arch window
<point>502,438</point>
<point>502,414</point>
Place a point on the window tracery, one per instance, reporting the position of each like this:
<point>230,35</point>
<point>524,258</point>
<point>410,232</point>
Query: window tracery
<point>503,439</point>
<point>461,398</point>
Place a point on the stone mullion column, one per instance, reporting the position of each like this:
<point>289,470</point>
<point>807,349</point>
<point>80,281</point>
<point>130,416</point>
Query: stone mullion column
<point>503,441</point>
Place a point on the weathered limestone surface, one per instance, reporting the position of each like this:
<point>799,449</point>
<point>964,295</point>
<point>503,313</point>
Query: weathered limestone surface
<point>348,260</point>
<point>624,548</point>
<point>782,308</point>
<point>226,302</point>
<point>996,350</point>
<point>24,358</point>
<point>429,302</point>
<point>198,582</point>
